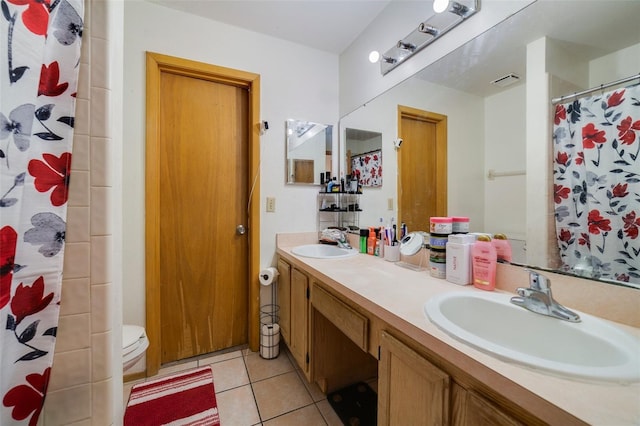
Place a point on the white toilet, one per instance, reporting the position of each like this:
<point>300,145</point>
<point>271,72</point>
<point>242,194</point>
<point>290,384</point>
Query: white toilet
<point>134,345</point>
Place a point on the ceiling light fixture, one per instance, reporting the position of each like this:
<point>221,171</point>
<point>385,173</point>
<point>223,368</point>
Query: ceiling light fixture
<point>374,56</point>
<point>459,9</point>
<point>428,31</point>
<point>406,46</point>
<point>387,60</point>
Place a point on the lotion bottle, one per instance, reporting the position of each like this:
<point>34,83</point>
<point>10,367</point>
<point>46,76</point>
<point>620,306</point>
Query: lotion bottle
<point>484,260</point>
<point>458,254</point>
<point>503,247</point>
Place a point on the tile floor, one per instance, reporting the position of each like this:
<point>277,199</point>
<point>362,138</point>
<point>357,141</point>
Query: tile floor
<point>253,391</point>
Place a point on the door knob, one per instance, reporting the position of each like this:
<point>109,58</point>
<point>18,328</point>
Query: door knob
<point>241,230</point>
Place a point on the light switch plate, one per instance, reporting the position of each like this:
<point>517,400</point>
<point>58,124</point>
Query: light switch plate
<point>271,204</point>
<point>389,203</point>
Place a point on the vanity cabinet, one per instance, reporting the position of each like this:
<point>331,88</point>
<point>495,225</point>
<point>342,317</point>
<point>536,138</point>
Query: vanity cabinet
<point>474,410</point>
<point>411,390</point>
<point>299,342</point>
<point>338,339</point>
<point>284,299</point>
<point>293,300</point>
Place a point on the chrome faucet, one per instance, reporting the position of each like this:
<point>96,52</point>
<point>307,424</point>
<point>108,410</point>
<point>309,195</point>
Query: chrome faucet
<point>336,235</point>
<point>538,298</point>
<point>342,241</point>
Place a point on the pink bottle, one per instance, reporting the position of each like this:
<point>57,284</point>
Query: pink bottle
<point>503,247</point>
<point>483,259</point>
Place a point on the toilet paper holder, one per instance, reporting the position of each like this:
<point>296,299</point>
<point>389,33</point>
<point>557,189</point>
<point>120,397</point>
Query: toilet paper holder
<point>269,331</point>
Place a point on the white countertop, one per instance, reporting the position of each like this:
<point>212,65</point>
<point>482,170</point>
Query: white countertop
<point>397,295</point>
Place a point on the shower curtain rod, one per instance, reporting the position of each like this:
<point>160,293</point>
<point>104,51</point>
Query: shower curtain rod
<point>593,89</point>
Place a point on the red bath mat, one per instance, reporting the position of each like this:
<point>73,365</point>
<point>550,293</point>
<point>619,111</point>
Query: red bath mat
<point>185,398</point>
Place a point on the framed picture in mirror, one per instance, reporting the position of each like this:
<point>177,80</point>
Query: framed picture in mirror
<point>364,156</point>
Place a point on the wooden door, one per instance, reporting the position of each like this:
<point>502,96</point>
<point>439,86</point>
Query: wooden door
<point>422,167</point>
<point>199,173</point>
<point>303,171</point>
<point>411,390</point>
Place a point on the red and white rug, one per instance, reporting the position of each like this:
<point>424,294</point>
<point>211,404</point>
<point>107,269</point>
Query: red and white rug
<point>185,398</point>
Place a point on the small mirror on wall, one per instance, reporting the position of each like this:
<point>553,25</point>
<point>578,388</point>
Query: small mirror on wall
<point>308,155</point>
<point>363,149</point>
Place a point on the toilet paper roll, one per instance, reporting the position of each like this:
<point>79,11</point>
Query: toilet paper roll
<point>268,275</point>
<point>270,341</point>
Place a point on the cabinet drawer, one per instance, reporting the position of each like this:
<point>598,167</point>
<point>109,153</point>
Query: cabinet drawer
<point>353,324</point>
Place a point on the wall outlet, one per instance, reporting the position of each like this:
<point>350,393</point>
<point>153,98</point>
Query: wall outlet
<point>389,203</point>
<point>271,204</point>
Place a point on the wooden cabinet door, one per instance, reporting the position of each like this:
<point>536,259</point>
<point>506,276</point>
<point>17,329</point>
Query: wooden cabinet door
<point>480,412</point>
<point>411,390</point>
<point>299,326</point>
<point>284,299</point>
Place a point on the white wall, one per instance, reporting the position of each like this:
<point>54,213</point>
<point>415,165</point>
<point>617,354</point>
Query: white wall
<point>465,151</point>
<point>505,145</point>
<point>620,64</point>
<point>296,82</point>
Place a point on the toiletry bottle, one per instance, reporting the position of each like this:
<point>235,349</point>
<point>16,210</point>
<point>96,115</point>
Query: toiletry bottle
<point>483,257</point>
<point>353,185</point>
<point>371,241</point>
<point>335,186</point>
<point>330,186</point>
<point>503,247</point>
<point>379,251</point>
<point>458,266</point>
<point>363,241</point>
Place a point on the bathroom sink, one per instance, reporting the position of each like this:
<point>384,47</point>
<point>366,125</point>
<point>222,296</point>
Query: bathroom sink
<point>592,350</point>
<point>323,251</point>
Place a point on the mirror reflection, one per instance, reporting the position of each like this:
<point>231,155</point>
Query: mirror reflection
<point>499,139</point>
<point>363,149</point>
<point>309,148</point>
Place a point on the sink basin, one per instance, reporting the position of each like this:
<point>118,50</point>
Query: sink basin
<point>592,350</point>
<point>323,251</point>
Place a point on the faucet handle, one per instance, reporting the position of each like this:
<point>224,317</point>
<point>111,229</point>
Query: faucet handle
<point>538,282</point>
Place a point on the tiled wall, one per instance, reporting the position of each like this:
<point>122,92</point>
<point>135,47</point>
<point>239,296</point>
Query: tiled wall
<point>80,391</point>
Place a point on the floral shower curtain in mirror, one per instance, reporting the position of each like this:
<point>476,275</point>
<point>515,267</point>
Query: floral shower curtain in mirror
<point>39,60</point>
<point>597,184</point>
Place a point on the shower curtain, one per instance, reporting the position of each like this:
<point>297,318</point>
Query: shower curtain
<point>597,184</point>
<point>39,61</point>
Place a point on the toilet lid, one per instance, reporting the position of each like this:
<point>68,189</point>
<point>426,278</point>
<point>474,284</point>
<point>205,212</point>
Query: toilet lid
<point>131,334</point>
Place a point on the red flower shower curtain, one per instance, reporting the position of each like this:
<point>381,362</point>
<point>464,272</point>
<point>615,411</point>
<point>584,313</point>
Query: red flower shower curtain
<point>39,60</point>
<point>597,184</point>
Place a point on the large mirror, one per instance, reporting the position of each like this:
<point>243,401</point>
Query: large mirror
<point>491,172</point>
<point>309,148</point>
